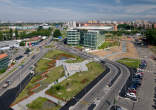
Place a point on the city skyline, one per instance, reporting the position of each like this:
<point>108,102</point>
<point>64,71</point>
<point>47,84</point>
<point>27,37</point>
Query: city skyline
<point>59,10</point>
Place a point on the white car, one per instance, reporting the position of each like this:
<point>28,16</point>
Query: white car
<point>131,95</point>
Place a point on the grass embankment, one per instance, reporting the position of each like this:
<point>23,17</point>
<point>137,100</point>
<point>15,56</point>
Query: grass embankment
<point>133,63</point>
<point>77,60</point>
<point>109,44</point>
<point>74,84</point>
<point>3,71</point>
<point>42,104</point>
<point>52,76</point>
<point>42,66</point>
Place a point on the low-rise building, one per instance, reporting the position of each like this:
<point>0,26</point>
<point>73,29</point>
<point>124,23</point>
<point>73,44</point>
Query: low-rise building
<point>4,61</point>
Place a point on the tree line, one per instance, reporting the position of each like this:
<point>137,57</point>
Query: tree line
<point>15,34</point>
<point>151,36</point>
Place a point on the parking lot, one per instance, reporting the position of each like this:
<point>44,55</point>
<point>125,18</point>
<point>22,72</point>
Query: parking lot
<point>144,93</point>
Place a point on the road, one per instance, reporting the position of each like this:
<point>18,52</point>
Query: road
<point>22,72</point>
<point>98,92</point>
<point>18,76</point>
<point>108,99</point>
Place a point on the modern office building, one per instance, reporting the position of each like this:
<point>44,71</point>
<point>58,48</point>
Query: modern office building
<point>91,39</point>
<point>4,61</point>
<point>73,37</point>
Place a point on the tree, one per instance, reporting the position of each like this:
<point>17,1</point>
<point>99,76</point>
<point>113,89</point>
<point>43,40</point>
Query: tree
<point>22,43</point>
<point>1,36</point>
<point>16,34</point>
<point>10,34</point>
<point>57,33</point>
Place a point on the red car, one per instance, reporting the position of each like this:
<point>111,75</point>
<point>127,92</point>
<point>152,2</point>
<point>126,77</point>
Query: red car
<point>132,91</point>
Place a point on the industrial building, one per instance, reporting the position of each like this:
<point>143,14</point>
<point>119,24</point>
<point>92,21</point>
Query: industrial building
<point>4,61</point>
<point>91,39</point>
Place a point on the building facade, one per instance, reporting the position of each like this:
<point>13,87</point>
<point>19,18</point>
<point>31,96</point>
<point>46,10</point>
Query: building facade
<point>73,37</point>
<point>4,61</point>
<point>88,38</point>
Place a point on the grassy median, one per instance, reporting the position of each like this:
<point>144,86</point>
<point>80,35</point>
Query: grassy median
<point>42,104</point>
<point>133,63</point>
<point>53,73</point>
<point>109,44</point>
<point>74,84</point>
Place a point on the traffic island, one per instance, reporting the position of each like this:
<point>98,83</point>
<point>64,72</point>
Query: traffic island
<point>75,83</point>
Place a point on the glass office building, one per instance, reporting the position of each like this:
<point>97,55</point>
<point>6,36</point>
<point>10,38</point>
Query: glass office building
<point>4,61</point>
<point>87,38</point>
<point>73,37</point>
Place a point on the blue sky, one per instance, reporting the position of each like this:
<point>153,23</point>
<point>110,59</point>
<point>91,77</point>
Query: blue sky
<point>63,10</point>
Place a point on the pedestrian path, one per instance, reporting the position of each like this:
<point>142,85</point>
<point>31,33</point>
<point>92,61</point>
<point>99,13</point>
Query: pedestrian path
<point>22,105</point>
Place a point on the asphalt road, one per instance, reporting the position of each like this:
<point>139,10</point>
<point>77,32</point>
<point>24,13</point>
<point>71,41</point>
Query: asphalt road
<point>108,99</point>
<point>22,72</point>
<point>98,92</point>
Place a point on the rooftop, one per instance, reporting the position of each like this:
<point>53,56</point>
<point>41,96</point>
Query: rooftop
<point>3,56</point>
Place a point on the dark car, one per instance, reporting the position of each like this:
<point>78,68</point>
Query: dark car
<point>19,57</point>
<point>116,107</point>
<point>136,79</point>
<point>91,107</point>
<point>137,76</point>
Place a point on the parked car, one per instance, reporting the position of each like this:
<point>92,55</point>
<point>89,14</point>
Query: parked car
<point>132,90</point>
<point>136,79</point>
<point>116,107</point>
<point>131,96</point>
<point>137,76</point>
<point>140,73</point>
<point>91,107</point>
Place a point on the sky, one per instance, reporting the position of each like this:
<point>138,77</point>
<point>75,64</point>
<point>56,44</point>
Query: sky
<point>76,10</point>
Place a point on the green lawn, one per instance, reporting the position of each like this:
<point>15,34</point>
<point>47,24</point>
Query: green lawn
<point>42,65</point>
<point>108,44</point>
<point>42,104</point>
<point>3,70</point>
<point>77,60</point>
<point>53,75</point>
<point>133,63</point>
<point>74,84</point>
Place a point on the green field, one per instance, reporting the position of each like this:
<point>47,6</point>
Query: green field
<point>53,75</point>
<point>133,63</point>
<point>74,84</point>
<point>42,104</point>
<point>108,44</point>
<point>77,60</point>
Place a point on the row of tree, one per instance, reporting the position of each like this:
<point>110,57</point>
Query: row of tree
<point>121,32</point>
<point>151,36</point>
<point>10,35</point>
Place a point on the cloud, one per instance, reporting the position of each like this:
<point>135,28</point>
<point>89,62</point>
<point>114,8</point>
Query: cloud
<point>118,1</point>
<point>11,10</point>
